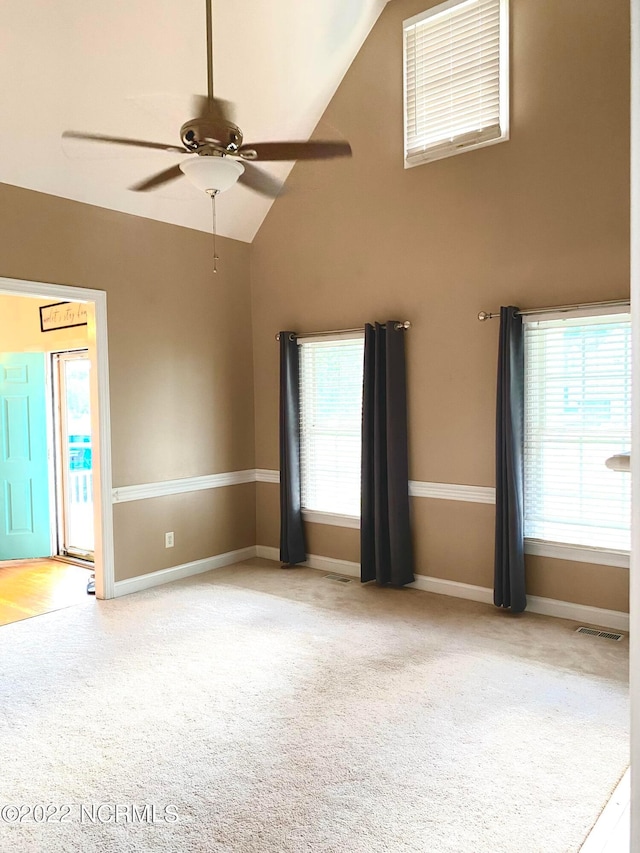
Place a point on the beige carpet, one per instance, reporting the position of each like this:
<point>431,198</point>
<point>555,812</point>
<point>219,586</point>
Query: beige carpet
<point>279,712</point>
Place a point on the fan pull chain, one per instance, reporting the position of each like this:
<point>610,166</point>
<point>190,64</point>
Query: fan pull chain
<point>213,194</point>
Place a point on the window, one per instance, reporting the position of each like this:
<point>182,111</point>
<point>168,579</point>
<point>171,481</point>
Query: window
<point>455,79</point>
<point>577,414</point>
<point>331,424</point>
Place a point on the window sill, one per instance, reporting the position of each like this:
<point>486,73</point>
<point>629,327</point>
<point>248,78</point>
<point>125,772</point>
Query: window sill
<point>577,553</point>
<point>314,516</point>
<point>440,152</point>
<point>534,547</point>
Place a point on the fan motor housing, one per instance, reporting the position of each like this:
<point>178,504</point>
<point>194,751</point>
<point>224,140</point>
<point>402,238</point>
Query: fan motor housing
<point>206,132</point>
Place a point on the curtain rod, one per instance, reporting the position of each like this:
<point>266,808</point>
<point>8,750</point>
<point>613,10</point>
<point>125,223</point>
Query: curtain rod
<point>483,315</point>
<point>397,326</point>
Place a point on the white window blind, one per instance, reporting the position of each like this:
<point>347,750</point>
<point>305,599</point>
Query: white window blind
<point>331,424</point>
<point>455,78</point>
<point>577,414</point>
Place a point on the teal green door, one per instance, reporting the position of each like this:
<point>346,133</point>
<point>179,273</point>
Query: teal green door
<point>24,467</point>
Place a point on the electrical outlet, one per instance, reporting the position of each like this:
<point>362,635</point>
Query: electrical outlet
<point>168,540</point>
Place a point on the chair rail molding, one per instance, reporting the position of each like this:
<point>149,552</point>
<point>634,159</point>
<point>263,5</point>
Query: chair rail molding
<point>143,491</point>
<point>417,489</point>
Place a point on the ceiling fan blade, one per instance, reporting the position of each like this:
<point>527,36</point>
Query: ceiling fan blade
<point>119,140</point>
<point>156,180</point>
<point>313,150</point>
<point>202,106</point>
<point>260,181</point>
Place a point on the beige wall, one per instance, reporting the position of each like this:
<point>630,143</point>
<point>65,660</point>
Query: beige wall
<point>20,328</point>
<point>539,220</point>
<point>180,363</point>
<point>206,523</point>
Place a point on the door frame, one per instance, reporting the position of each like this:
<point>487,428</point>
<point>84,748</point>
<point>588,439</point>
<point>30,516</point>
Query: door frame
<point>634,579</point>
<point>97,345</point>
<point>60,460</point>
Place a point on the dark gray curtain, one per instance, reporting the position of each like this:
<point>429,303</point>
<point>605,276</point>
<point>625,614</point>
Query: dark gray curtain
<point>385,533</point>
<point>292,546</point>
<point>509,584</point>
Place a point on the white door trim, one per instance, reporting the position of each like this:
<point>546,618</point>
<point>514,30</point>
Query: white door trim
<point>634,644</point>
<point>100,419</point>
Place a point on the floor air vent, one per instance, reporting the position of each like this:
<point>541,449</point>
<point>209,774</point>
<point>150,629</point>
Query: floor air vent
<point>593,632</point>
<point>337,578</point>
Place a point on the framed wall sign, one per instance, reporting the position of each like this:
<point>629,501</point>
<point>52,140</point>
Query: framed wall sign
<point>62,315</point>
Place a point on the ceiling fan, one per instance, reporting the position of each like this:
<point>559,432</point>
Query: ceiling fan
<point>222,159</point>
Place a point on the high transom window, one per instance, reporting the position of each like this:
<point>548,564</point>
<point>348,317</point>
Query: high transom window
<point>456,88</point>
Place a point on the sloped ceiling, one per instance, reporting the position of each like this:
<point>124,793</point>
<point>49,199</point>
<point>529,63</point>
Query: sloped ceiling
<point>126,67</point>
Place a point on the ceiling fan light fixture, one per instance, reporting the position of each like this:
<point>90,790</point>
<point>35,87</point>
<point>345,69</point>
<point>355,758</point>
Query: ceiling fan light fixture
<point>212,173</point>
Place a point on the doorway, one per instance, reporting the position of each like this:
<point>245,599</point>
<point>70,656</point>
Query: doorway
<point>46,491</point>
<point>85,528</point>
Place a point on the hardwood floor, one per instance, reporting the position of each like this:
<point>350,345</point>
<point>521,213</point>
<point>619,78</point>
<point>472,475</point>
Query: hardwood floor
<point>33,587</point>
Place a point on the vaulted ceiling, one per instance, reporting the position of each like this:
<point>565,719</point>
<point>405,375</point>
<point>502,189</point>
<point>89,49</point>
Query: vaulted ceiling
<point>127,67</point>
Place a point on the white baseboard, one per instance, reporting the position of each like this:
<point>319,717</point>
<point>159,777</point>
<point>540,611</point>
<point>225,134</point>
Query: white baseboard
<point>596,616</point>
<point>186,570</point>
<point>267,552</point>
<point>456,589</point>
<point>325,564</point>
